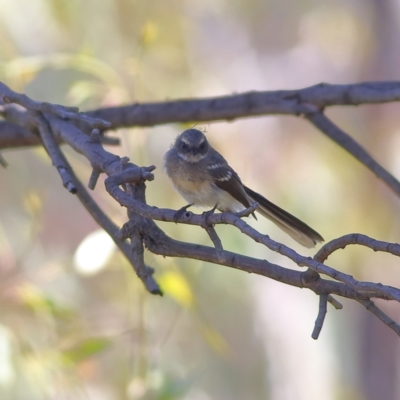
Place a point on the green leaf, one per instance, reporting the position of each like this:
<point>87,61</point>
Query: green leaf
<point>86,348</point>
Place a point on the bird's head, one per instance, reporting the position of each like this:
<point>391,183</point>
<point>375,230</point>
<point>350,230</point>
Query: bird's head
<point>191,145</point>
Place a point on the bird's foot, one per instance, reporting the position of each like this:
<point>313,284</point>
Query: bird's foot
<point>246,212</point>
<point>207,214</point>
<point>181,211</point>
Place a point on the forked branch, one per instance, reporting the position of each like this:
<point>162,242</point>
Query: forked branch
<point>30,122</point>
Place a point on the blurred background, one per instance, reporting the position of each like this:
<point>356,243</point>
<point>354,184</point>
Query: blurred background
<point>75,322</point>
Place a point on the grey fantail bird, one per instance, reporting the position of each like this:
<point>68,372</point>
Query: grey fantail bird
<point>204,178</point>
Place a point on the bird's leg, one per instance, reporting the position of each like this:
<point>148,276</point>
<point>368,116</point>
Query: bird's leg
<point>207,214</point>
<point>180,212</point>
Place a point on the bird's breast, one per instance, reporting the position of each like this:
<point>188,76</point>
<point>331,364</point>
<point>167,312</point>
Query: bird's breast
<point>190,181</point>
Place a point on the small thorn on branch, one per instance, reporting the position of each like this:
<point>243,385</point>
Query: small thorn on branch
<point>95,136</point>
<point>124,160</point>
<point>337,304</point>
<point>94,176</point>
<point>323,302</point>
<point>131,174</point>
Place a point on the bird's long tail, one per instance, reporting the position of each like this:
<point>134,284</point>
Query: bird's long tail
<point>297,229</point>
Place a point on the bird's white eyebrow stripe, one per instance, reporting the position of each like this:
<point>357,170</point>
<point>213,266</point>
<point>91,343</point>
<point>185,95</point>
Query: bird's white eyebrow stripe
<point>215,166</point>
<point>185,141</point>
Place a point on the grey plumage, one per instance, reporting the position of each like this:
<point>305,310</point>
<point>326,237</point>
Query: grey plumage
<point>203,177</point>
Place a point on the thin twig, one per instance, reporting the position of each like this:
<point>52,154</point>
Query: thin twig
<point>54,152</point>
<point>94,177</point>
<point>356,238</point>
<point>319,322</point>
<point>337,304</point>
<point>215,239</point>
<point>370,306</point>
<point>325,125</point>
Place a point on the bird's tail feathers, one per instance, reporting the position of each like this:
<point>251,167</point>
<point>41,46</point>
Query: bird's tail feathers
<point>295,228</point>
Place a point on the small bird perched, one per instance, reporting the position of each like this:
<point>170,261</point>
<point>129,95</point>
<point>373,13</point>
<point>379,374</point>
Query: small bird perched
<point>204,178</point>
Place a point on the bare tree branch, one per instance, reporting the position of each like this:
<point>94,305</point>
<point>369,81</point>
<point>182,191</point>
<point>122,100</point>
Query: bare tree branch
<point>250,104</point>
<point>370,306</point>
<point>345,141</point>
<point>53,124</point>
<point>14,136</point>
<point>70,113</point>
<point>303,102</point>
<point>16,131</point>
<point>137,191</point>
<point>101,218</point>
<point>356,238</point>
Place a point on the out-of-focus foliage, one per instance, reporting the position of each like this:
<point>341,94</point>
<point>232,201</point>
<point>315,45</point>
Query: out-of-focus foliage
<point>81,327</point>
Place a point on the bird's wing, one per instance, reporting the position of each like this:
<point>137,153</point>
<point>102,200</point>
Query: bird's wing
<point>227,179</point>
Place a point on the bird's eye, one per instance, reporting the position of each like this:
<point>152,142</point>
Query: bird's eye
<point>184,146</point>
<point>202,146</point>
